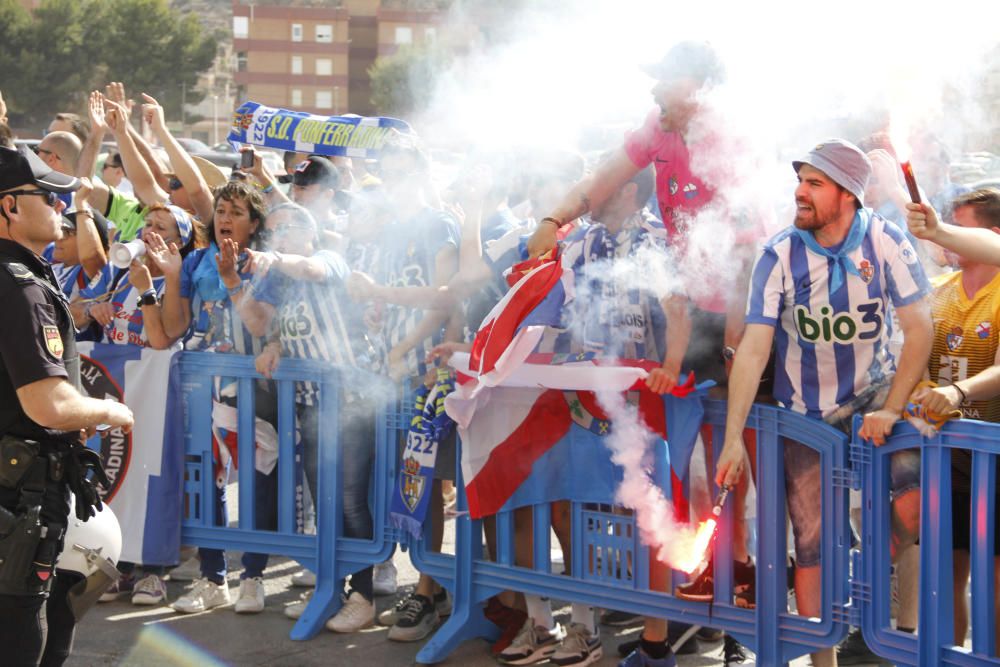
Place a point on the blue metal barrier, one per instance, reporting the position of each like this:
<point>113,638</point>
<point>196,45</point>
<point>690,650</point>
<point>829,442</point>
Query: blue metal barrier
<point>327,553</point>
<point>934,642</point>
<point>610,566</point>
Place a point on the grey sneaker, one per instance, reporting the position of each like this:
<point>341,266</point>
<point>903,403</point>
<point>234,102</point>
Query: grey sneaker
<point>578,648</point>
<point>442,603</point>
<point>417,619</point>
<point>533,644</point>
<point>390,616</point>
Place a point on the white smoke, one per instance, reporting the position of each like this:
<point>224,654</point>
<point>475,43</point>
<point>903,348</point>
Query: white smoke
<point>631,445</point>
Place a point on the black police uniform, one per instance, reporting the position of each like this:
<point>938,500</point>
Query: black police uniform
<point>37,341</point>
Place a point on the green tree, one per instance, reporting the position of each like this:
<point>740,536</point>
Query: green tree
<point>403,83</point>
<point>53,58</point>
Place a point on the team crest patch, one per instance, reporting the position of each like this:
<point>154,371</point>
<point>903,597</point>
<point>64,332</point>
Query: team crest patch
<point>673,185</point>
<point>866,271</point>
<point>412,483</point>
<point>53,341</point>
<point>983,330</point>
<point>954,339</point>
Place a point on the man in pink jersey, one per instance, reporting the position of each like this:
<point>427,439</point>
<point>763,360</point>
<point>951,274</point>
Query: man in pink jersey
<point>679,139</point>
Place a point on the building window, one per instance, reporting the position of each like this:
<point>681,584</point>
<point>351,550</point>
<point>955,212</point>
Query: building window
<point>241,61</point>
<point>296,64</point>
<point>241,27</point>
<point>296,97</point>
<point>324,67</point>
<point>324,33</point>
<point>404,35</point>
<point>430,34</point>
<point>324,99</point>
<point>296,32</point>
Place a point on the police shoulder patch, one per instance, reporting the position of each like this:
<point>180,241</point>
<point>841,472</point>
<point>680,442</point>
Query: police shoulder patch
<point>20,272</point>
<point>53,341</point>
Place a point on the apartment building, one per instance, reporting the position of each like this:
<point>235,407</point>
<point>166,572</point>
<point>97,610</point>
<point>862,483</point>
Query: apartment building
<point>314,56</point>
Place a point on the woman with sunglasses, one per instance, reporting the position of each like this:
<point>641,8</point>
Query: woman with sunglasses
<point>302,291</point>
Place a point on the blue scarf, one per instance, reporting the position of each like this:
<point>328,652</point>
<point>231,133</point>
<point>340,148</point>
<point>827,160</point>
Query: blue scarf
<point>430,425</point>
<point>206,278</point>
<point>841,261</point>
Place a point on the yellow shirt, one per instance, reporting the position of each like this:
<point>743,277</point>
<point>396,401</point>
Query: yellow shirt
<point>966,336</point>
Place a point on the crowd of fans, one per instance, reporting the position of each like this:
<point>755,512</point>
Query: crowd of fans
<point>371,264</point>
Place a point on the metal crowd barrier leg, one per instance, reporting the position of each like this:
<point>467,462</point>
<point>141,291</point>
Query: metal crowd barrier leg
<point>467,620</point>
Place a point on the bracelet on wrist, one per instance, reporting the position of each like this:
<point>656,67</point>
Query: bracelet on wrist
<point>554,221</point>
<point>965,397</point>
<point>267,189</point>
<point>233,291</point>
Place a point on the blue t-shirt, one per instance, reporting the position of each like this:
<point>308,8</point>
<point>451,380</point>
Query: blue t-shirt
<point>408,260</point>
<point>212,311</point>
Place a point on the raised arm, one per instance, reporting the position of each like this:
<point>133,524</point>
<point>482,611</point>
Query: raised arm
<point>587,194</point>
<point>88,241</point>
<point>976,244</point>
<point>184,167</point>
<point>143,183</point>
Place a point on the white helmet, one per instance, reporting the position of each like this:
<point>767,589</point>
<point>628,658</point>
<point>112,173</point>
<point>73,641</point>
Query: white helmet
<point>91,550</point>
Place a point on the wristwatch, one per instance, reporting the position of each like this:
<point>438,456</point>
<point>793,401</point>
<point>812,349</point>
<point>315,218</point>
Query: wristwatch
<point>728,352</point>
<point>147,299</point>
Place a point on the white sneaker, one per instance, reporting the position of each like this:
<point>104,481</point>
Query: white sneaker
<point>533,644</point>
<point>189,570</point>
<point>384,579</point>
<point>578,648</point>
<point>203,595</point>
<point>304,579</point>
<point>295,610</point>
<point>250,599</point>
<point>356,614</point>
<point>149,591</point>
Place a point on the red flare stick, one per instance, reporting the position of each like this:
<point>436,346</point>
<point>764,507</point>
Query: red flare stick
<point>911,182</point>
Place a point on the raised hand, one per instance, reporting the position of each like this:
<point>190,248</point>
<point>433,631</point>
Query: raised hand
<point>115,91</point>
<point>95,111</point>
<point>152,113</point>
<point>228,253</point>
<point>116,117</point>
<point>167,257</point>
<point>103,313</point>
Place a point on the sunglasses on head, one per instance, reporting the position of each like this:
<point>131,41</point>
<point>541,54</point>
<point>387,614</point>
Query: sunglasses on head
<point>51,198</point>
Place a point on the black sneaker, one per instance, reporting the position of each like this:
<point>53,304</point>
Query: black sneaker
<point>620,619</point>
<point>733,652</point>
<point>417,619</point>
<point>701,588</point>
<point>854,651</point>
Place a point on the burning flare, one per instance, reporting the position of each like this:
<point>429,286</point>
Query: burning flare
<point>694,554</point>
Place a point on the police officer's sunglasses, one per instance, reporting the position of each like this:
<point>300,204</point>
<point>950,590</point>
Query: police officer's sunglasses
<point>50,197</point>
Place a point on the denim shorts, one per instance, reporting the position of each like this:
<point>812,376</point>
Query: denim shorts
<point>803,484</point>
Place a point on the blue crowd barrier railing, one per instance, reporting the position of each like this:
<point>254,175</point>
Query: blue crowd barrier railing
<point>934,642</point>
<point>619,578</point>
<point>327,553</point>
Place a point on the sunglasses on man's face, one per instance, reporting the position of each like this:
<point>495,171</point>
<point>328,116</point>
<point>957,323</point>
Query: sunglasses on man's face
<point>175,184</point>
<point>112,165</point>
<point>39,151</point>
<point>51,198</point>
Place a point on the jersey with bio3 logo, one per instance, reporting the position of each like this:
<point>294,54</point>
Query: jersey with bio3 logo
<point>832,344</point>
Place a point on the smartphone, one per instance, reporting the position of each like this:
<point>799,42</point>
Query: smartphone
<point>246,159</point>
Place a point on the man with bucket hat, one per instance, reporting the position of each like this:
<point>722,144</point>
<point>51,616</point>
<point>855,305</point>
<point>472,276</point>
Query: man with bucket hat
<point>42,414</point>
<point>821,291</point>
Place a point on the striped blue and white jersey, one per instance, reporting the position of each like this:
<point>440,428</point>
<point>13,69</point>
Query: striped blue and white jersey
<point>831,345</point>
<point>311,318</point>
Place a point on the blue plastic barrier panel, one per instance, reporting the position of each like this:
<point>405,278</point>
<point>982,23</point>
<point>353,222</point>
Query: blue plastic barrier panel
<point>285,130</point>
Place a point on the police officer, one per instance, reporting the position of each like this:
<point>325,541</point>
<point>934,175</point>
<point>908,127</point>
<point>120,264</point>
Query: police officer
<point>43,416</point>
